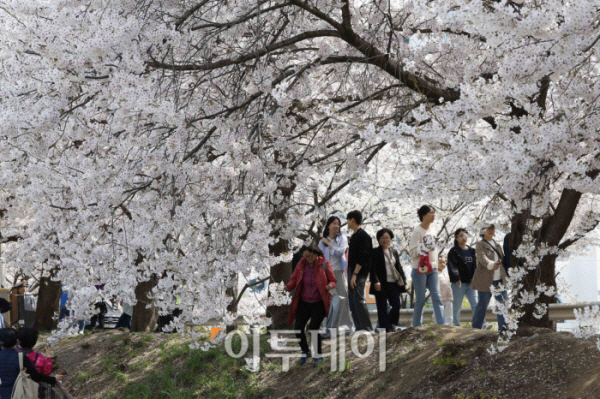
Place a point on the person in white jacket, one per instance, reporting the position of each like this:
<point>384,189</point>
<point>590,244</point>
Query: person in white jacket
<point>422,243</point>
<point>334,246</point>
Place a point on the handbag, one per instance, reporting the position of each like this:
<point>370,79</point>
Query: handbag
<point>425,247</point>
<point>396,275</point>
<point>425,266</point>
<point>500,256</point>
<point>25,387</point>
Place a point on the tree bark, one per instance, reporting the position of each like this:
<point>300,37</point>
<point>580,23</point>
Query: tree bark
<point>144,318</point>
<point>550,234</point>
<point>231,292</point>
<point>282,271</point>
<point>47,304</point>
<point>545,274</point>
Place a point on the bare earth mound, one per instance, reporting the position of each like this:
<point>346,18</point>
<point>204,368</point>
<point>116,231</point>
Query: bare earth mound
<point>426,362</point>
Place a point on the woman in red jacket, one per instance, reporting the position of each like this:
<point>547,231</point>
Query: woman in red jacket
<point>313,278</point>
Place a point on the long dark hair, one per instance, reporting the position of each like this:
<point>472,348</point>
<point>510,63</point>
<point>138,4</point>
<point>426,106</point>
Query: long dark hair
<point>329,221</point>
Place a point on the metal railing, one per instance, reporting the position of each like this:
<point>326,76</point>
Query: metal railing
<point>558,312</point>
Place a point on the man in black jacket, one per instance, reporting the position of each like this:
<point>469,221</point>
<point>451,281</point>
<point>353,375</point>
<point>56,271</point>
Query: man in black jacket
<point>359,264</point>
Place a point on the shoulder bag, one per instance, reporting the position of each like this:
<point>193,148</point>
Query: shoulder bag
<point>25,387</point>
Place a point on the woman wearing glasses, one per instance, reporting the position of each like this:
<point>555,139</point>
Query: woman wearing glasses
<point>387,281</point>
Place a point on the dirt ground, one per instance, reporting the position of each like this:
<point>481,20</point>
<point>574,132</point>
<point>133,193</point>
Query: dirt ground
<point>426,362</point>
<point>90,360</point>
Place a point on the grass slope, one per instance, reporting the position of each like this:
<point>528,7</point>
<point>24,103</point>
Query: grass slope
<point>426,362</point>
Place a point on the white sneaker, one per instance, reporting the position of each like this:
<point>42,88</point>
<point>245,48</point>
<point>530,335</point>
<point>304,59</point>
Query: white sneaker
<point>370,332</point>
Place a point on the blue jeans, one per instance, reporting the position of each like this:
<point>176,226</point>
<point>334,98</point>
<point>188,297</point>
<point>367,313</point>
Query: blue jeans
<point>458,293</point>
<point>124,321</point>
<point>431,282</point>
<point>63,312</point>
<point>484,301</point>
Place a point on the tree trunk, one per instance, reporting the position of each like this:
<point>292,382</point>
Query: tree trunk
<point>280,272</point>
<point>231,292</point>
<point>144,319</point>
<point>518,228</point>
<point>47,304</point>
<point>550,234</point>
<point>545,274</point>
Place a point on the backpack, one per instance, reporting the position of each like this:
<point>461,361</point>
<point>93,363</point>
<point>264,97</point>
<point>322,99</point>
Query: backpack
<point>25,387</point>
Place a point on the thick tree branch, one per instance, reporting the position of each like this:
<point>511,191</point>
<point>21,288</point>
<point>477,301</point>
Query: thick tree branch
<point>247,57</point>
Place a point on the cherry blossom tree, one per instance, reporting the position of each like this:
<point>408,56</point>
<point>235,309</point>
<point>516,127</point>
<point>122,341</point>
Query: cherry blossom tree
<point>163,148</point>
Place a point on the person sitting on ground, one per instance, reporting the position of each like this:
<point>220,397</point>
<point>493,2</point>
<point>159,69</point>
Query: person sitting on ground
<point>313,278</point>
<point>27,338</point>
<point>9,364</point>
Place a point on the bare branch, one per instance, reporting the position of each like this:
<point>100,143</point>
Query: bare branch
<point>257,54</point>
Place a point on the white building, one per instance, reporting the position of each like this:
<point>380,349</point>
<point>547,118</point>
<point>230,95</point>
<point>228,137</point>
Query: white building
<point>581,278</point>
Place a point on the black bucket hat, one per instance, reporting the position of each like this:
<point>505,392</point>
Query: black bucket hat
<point>5,306</point>
<point>8,337</point>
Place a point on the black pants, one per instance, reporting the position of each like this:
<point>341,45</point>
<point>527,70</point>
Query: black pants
<point>102,309</point>
<point>315,311</point>
<point>390,292</point>
<point>98,317</point>
<point>358,305</point>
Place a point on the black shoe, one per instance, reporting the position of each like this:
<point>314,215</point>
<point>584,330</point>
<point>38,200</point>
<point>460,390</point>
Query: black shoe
<point>304,358</point>
<point>318,361</point>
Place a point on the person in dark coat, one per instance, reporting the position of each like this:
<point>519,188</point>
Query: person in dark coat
<point>359,265</point>
<point>9,365</point>
<point>387,285</point>
<point>462,263</point>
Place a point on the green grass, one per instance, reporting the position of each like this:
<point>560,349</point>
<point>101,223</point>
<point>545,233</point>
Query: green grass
<point>179,372</point>
<point>82,377</point>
